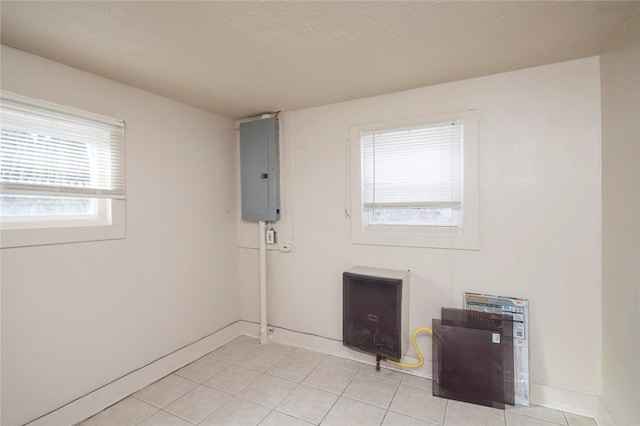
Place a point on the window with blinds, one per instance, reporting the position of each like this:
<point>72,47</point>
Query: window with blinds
<point>415,182</point>
<point>413,176</point>
<point>58,164</point>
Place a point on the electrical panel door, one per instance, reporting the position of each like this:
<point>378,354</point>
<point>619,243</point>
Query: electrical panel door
<point>259,169</point>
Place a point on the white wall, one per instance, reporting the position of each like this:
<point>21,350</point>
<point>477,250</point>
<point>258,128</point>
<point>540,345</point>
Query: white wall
<point>620,73</point>
<point>540,218</point>
<point>77,316</point>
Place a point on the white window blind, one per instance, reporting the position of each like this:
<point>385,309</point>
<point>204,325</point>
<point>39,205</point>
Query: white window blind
<point>51,150</point>
<point>413,168</point>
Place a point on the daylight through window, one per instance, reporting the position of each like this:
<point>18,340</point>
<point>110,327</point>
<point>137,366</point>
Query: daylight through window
<point>58,166</point>
<point>413,176</point>
<point>414,182</point>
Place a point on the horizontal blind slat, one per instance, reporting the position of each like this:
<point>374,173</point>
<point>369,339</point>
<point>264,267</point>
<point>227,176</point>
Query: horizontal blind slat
<point>51,149</point>
<point>419,166</point>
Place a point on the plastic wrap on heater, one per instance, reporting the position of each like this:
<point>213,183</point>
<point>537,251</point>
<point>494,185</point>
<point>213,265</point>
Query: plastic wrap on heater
<point>375,311</point>
<point>473,358</point>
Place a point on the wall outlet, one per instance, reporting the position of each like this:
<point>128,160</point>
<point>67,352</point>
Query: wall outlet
<point>285,247</point>
<point>271,236</point>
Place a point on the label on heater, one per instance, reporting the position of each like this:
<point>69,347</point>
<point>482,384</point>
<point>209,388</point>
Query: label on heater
<point>495,337</point>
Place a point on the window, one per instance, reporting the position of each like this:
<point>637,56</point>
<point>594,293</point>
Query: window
<point>61,174</point>
<point>416,182</point>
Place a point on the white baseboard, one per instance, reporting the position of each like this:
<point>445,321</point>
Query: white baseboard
<point>94,402</point>
<point>565,400</point>
<point>547,396</point>
<point>98,400</point>
<point>333,347</point>
<point>603,418</point>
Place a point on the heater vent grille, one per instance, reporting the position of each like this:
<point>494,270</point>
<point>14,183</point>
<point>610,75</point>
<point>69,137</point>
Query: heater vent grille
<point>375,311</point>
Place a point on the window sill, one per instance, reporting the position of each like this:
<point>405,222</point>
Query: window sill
<point>11,238</point>
<point>447,238</point>
<point>466,237</point>
<point>44,236</point>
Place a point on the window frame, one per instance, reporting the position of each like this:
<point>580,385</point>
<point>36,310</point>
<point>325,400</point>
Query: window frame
<point>108,223</point>
<point>465,236</point>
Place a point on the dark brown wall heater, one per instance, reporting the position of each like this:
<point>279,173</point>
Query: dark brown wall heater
<point>376,311</point>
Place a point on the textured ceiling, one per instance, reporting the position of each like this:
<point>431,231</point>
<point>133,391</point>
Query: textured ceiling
<point>239,59</point>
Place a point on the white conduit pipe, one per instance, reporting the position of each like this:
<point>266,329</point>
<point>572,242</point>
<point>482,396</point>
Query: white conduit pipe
<point>263,282</point>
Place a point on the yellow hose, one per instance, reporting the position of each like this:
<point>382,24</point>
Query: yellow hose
<point>415,346</point>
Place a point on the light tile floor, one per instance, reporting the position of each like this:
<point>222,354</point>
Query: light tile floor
<point>243,383</point>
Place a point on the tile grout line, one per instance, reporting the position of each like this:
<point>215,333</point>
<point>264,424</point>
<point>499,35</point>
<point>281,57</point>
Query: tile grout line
<point>144,419</point>
<point>357,369</point>
<point>182,418</point>
<point>266,372</point>
<point>237,394</point>
<point>395,392</point>
<point>540,418</point>
<point>174,400</point>
<point>189,421</point>
<point>446,410</point>
<point>340,395</point>
<point>386,412</point>
<point>305,377</point>
<point>265,417</point>
<point>282,400</point>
